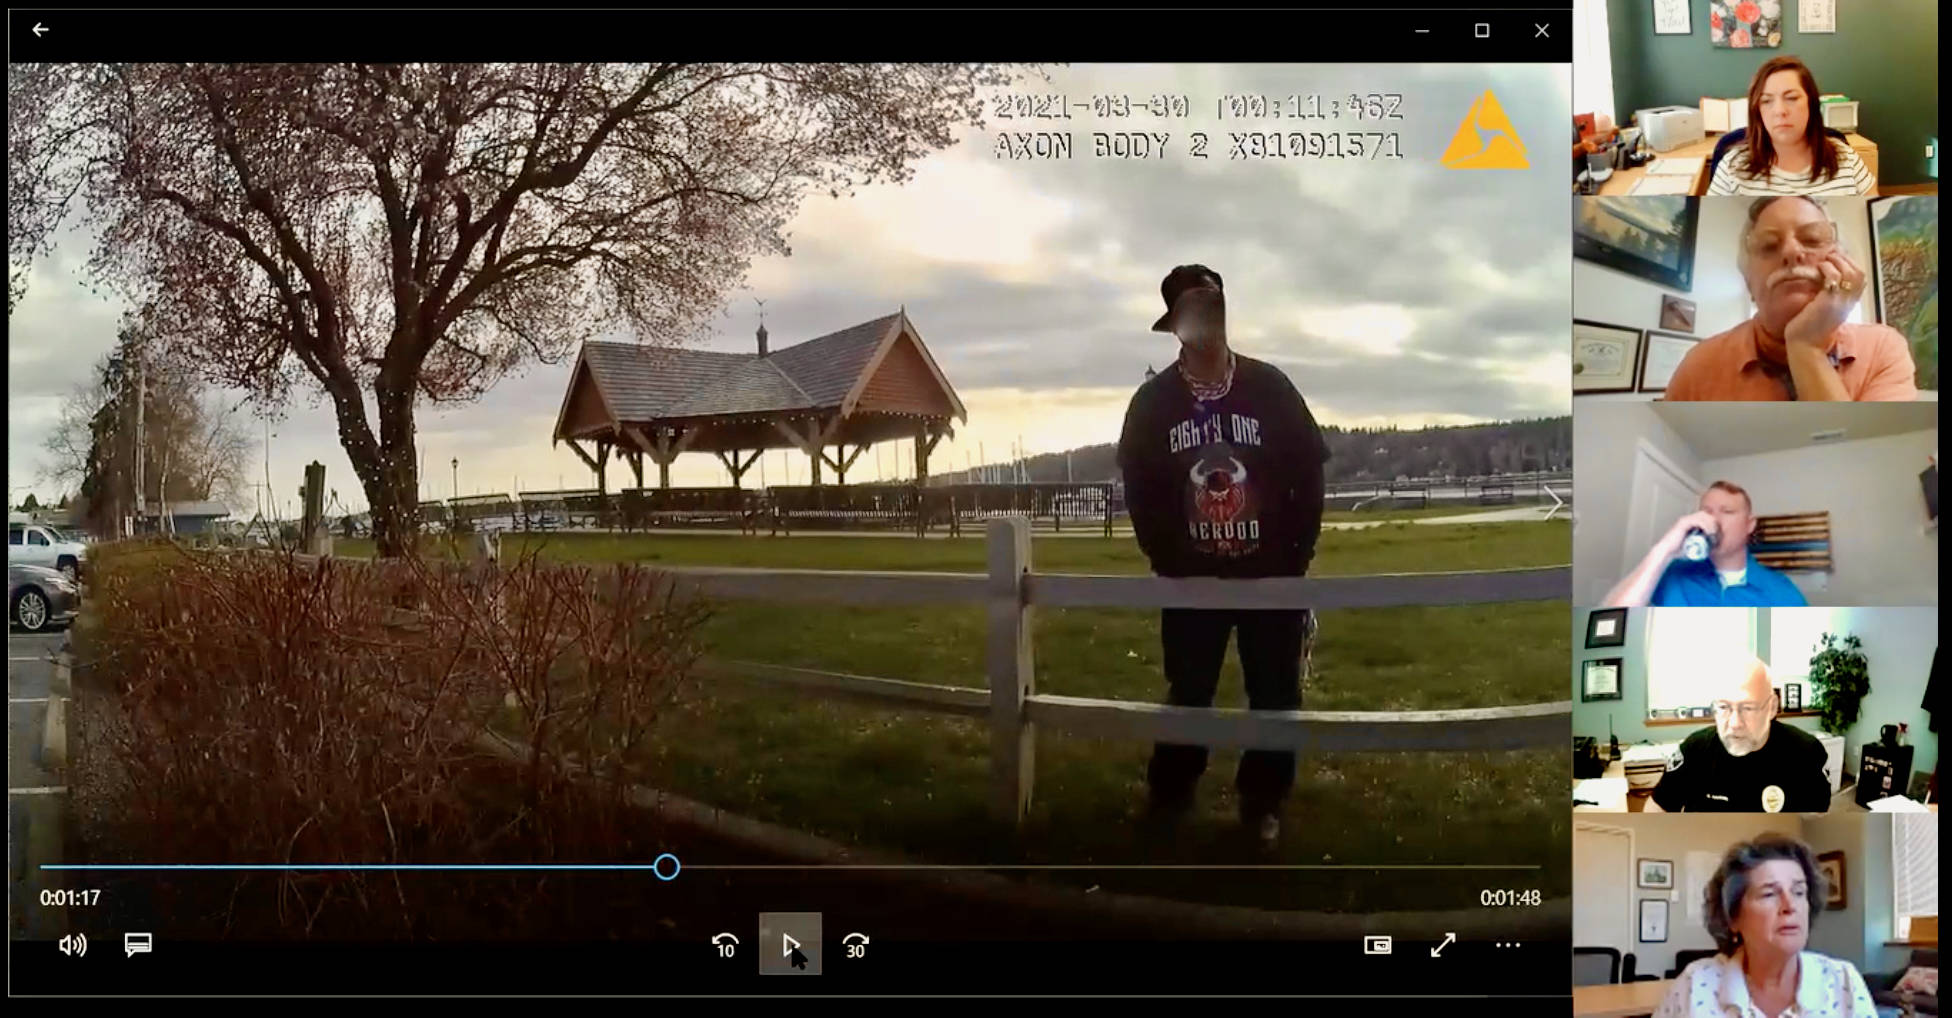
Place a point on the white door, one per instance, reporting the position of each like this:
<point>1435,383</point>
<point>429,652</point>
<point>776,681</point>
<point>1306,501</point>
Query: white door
<point>1662,493</point>
<point>1602,888</point>
<point>40,548</point>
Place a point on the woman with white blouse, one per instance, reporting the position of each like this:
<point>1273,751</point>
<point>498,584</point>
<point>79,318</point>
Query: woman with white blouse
<point>1786,150</point>
<point>1760,905</point>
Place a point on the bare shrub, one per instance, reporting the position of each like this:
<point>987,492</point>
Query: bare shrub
<point>284,711</point>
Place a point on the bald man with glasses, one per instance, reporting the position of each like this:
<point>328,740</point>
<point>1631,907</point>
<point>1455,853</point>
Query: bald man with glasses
<point>1749,762</point>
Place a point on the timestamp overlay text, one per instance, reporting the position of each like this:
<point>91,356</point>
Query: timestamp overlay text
<point>1363,126</point>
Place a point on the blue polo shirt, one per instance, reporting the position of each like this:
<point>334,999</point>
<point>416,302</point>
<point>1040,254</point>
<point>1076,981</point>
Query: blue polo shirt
<point>1697,585</point>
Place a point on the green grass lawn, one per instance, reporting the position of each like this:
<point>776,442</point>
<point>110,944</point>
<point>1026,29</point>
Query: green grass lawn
<point>917,783</point>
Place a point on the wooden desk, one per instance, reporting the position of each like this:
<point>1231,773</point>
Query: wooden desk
<point>1623,181</point>
<point>1620,1000</point>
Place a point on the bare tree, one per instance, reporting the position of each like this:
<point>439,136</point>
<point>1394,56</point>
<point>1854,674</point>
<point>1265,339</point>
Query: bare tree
<point>193,447</point>
<point>416,232</point>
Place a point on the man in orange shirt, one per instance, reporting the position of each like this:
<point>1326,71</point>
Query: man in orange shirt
<point>1797,346</point>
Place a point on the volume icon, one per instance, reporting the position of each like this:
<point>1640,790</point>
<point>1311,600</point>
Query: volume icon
<point>74,945</point>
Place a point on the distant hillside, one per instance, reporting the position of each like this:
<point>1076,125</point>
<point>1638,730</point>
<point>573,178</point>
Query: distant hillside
<point>1368,454</point>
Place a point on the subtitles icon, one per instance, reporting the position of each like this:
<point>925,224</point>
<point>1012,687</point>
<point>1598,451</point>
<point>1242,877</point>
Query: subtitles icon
<point>1377,945</point>
<point>137,943</point>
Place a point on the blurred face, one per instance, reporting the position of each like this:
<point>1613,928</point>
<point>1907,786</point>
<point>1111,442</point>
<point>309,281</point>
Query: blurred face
<point>1743,711</point>
<point>1200,315</point>
<point>1780,256</point>
<point>1733,520</point>
<point>1785,108</point>
<point>1774,913</point>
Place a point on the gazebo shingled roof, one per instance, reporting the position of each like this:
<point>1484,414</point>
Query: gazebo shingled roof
<point>865,384</point>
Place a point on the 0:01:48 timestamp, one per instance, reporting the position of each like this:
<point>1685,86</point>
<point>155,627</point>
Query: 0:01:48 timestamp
<point>1506,896</point>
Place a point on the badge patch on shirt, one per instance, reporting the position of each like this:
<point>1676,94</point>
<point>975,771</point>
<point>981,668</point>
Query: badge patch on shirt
<point>1773,798</point>
<point>1674,761</point>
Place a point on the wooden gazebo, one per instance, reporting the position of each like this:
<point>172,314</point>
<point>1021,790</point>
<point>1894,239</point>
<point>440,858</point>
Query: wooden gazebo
<point>846,390</point>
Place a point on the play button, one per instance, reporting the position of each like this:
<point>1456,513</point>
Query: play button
<point>798,937</point>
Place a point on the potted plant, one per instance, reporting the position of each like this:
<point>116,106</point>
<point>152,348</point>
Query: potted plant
<point>1841,675</point>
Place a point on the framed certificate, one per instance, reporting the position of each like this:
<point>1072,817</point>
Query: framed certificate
<point>1653,921</point>
<point>1664,353</point>
<point>1603,357</point>
<point>1600,679</point>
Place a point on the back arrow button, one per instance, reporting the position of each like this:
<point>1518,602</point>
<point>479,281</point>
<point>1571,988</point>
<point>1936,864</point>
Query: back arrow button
<point>39,30</point>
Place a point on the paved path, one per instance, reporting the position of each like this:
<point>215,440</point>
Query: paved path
<point>36,791</point>
<point>1518,515</point>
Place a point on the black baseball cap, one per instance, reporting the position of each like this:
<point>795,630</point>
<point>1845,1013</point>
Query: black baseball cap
<point>1181,279</point>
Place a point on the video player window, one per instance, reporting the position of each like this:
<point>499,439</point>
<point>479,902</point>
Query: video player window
<point>804,527</point>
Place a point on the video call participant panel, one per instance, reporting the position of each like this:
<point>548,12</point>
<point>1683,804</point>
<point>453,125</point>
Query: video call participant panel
<point>1757,98</point>
<point>1755,299</point>
<point>1755,505</point>
<point>1707,916</point>
<point>1754,710</point>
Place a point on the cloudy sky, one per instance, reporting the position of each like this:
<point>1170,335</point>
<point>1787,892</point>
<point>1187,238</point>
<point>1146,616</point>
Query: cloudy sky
<point>1391,291</point>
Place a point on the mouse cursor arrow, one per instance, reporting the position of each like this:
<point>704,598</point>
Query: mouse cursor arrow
<point>1449,939</point>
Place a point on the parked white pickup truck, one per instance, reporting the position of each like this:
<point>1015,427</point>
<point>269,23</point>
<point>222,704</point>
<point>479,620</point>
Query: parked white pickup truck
<point>37,544</point>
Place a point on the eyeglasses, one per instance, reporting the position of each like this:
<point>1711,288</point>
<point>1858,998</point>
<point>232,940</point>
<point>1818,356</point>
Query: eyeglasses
<point>1817,237</point>
<point>1748,710</point>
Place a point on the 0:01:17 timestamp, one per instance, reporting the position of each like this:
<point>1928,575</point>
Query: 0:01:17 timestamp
<point>62,898</point>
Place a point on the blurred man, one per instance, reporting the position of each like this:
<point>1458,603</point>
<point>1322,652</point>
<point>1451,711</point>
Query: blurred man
<point>1749,762</point>
<point>1797,346</point>
<point>1729,577</point>
<point>1223,472</point>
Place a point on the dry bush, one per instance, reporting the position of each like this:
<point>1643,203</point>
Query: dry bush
<point>283,711</point>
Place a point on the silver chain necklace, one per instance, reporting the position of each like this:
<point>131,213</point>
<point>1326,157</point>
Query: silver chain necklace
<point>1207,392</point>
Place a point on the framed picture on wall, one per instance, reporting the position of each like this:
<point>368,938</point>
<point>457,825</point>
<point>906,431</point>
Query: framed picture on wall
<point>1676,313</point>
<point>1656,874</point>
<point>1664,351</point>
<point>1830,866</point>
<point>1904,274</point>
<point>1744,24</point>
<point>1606,627</point>
<point>1649,236</point>
<point>1792,696</point>
<point>1599,679</point>
<point>1604,357</point>
<point>1671,17</point>
<point>1653,920</point>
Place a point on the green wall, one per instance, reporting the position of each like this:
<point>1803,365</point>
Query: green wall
<point>1883,54</point>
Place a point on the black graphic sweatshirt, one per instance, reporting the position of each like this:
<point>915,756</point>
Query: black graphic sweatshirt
<point>1229,488</point>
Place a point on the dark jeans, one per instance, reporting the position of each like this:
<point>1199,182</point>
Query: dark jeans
<point>1273,658</point>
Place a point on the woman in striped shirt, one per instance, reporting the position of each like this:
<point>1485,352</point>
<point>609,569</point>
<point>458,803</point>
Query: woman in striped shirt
<point>1788,151</point>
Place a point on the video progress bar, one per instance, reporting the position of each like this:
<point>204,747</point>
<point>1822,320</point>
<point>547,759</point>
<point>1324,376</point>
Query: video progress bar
<point>654,867</point>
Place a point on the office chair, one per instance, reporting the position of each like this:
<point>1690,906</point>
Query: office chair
<point>1595,966</point>
<point>1683,959</point>
<point>1740,134</point>
<point>1630,971</point>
